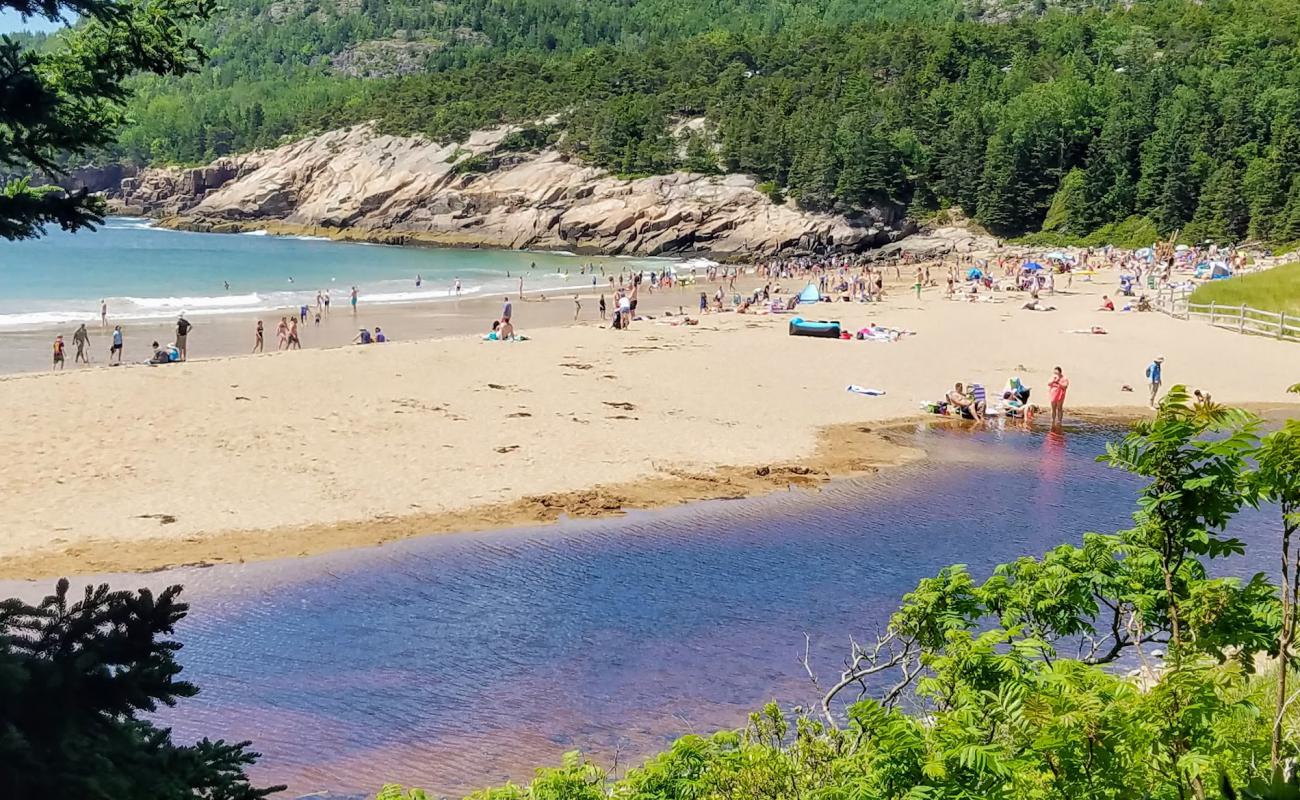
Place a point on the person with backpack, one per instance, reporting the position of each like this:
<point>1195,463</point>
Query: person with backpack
<point>1154,370</point>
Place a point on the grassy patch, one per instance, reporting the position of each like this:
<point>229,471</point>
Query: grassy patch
<point>1276,289</point>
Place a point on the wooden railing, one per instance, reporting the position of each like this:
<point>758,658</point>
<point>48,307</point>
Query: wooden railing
<point>1242,319</point>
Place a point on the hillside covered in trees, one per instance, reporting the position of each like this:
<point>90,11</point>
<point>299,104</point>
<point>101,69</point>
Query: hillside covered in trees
<point>1069,116</point>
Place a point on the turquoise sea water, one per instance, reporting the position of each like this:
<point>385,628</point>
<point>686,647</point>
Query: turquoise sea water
<point>144,272</point>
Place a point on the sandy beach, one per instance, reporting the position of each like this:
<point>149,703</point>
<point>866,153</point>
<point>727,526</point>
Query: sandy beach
<point>253,457</point>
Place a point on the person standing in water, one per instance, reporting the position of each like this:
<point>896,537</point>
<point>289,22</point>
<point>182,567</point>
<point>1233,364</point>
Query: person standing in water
<point>418,280</point>
<point>354,300</point>
<point>458,287</point>
<point>1056,389</point>
<point>81,338</point>
<point>116,349</point>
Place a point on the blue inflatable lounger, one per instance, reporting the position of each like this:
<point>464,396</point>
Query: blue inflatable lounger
<point>821,329</point>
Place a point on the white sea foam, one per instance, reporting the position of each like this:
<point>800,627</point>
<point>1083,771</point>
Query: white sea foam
<point>192,303</point>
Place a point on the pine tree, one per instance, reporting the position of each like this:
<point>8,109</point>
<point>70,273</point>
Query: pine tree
<point>78,679</point>
<point>1264,191</point>
<point>1222,215</point>
<point>68,98</point>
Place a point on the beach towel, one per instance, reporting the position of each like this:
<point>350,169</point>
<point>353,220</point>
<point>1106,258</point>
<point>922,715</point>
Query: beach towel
<point>864,390</point>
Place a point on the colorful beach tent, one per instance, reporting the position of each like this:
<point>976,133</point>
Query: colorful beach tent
<point>810,294</point>
<point>1033,266</point>
<point>974,275</point>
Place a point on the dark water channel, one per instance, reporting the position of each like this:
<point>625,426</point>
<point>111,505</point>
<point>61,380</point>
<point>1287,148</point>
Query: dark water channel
<point>456,662</point>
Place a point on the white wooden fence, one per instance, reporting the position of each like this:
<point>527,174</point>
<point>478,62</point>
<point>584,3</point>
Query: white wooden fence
<point>1242,319</point>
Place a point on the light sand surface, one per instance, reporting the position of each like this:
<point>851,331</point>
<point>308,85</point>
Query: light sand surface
<point>243,458</point>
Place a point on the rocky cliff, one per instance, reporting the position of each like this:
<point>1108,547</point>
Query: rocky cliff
<point>356,183</point>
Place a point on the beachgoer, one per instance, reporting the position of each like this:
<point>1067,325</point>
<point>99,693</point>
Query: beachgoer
<point>507,327</point>
<point>159,355</point>
<point>116,348</point>
<point>418,280</point>
<point>320,302</point>
<point>327,302</point>
<point>379,335</point>
<point>182,332</point>
<point>577,307</point>
<point>458,287</point>
<point>625,311</point>
<point>103,313</point>
<point>282,334</point>
<point>58,352</point>
<point>318,319</point>
<point>521,287</point>
<point>294,343</point>
<point>363,337</point>
<point>602,306</point>
<point>958,400</point>
<point>81,338</point>
<point>1056,389</point>
<point>1154,374</point>
<point>1106,304</point>
<point>227,284</point>
<point>258,341</point>
<point>920,281</point>
<point>302,313</point>
<point>354,300</point>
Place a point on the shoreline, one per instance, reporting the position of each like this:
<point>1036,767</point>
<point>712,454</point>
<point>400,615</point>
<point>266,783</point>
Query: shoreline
<point>228,459</point>
<point>397,238</point>
<point>843,451</point>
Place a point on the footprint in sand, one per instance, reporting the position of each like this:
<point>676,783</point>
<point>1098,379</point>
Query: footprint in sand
<point>510,448</point>
<point>518,415</point>
<point>621,406</point>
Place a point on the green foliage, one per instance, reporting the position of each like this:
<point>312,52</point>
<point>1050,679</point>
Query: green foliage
<point>1175,114</point>
<point>66,98</point>
<point>77,678</point>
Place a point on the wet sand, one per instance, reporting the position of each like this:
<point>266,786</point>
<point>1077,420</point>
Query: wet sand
<point>246,458</point>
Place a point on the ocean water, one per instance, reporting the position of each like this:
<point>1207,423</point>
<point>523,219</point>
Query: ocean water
<point>144,272</point>
<point>457,662</point>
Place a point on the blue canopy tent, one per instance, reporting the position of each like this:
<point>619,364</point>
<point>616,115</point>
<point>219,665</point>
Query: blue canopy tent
<point>810,294</point>
<point>1033,266</point>
<point>974,275</point>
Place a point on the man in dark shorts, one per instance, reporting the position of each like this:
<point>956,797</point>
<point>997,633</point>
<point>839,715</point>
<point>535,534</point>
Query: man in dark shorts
<point>182,331</point>
<point>116,349</point>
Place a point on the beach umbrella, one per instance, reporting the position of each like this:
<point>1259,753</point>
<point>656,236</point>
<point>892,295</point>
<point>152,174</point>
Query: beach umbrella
<point>1033,266</point>
<point>1057,256</point>
<point>974,275</point>
<point>1145,252</point>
